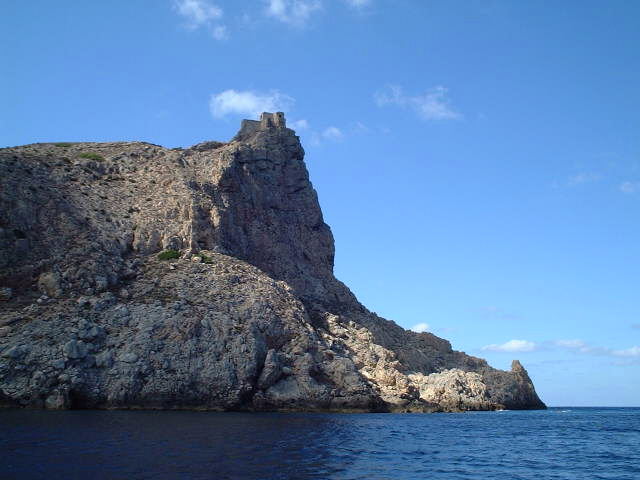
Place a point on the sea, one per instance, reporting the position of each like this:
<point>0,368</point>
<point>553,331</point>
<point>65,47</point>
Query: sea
<point>558,443</point>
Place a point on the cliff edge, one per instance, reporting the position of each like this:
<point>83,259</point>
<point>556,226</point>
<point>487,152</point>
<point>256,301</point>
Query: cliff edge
<point>135,276</point>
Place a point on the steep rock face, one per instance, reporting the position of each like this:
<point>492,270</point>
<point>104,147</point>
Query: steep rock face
<point>250,316</point>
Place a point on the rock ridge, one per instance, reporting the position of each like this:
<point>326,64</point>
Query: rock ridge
<point>135,276</point>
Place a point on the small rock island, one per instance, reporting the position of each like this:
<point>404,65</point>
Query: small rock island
<point>134,276</point>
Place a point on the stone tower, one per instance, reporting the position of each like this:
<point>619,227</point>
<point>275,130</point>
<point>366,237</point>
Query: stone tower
<point>272,119</point>
<point>267,120</point>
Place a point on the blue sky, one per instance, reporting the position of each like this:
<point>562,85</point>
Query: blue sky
<point>478,161</point>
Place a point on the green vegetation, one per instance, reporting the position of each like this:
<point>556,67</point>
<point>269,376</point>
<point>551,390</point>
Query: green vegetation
<point>205,259</point>
<point>169,255</point>
<point>92,156</point>
<point>62,144</point>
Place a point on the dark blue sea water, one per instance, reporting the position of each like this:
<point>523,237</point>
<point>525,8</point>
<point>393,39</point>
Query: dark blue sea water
<point>560,443</point>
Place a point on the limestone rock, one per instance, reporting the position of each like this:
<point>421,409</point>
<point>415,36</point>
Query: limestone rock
<point>58,400</point>
<point>49,283</point>
<point>5,294</point>
<point>16,352</point>
<point>128,357</point>
<point>271,370</point>
<point>455,390</point>
<point>247,314</point>
<point>104,359</point>
<point>75,349</point>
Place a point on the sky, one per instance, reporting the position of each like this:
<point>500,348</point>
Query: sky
<point>478,161</point>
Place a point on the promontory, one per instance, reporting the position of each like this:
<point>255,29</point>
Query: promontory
<point>136,276</point>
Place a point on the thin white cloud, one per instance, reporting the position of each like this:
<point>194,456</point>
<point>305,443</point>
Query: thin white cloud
<point>197,13</point>
<point>293,12</point>
<point>248,102</point>
<point>577,344</point>
<point>359,127</point>
<point>628,352</point>
<point>630,187</point>
<point>630,355</point>
<point>202,14</point>
<point>359,3</point>
<point>580,346</point>
<point>431,105</point>
<point>512,346</point>
<point>420,327</point>
<point>332,133</point>
<point>582,178</point>
<point>220,32</point>
<point>315,138</point>
<point>301,124</point>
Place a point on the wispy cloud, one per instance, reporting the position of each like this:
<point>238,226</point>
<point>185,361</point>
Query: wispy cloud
<point>512,346</point>
<point>202,14</point>
<point>630,187</point>
<point>332,133</point>
<point>627,355</point>
<point>220,32</point>
<point>316,137</point>
<point>582,178</point>
<point>420,327</point>
<point>580,346</point>
<point>293,12</point>
<point>574,344</point>
<point>248,102</point>
<point>360,128</point>
<point>301,124</point>
<point>431,105</point>
<point>359,3</point>
<point>197,13</point>
<point>627,352</point>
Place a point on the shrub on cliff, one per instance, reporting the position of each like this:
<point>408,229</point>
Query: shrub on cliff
<point>92,156</point>
<point>169,255</point>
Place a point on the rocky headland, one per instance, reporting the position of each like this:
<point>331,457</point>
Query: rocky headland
<point>135,276</point>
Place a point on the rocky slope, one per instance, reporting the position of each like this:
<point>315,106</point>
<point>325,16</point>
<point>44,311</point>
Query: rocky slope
<point>248,317</point>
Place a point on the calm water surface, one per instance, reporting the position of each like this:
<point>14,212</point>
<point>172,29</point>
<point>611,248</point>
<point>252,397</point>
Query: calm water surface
<point>560,443</point>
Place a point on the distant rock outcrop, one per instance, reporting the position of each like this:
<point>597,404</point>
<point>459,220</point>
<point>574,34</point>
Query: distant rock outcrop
<point>240,311</point>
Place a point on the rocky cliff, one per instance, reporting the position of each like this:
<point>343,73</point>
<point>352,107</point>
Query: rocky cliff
<point>135,276</point>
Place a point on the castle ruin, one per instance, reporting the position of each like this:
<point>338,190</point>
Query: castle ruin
<point>267,120</point>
